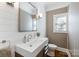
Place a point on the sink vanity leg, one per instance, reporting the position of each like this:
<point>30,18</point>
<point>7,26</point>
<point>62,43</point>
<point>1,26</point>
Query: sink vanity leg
<point>41,53</point>
<point>18,55</point>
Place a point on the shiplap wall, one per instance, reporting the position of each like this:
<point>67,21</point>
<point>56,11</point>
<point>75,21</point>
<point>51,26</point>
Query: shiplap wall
<point>9,25</point>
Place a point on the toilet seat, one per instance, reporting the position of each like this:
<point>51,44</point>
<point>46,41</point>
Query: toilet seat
<point>52,46</point>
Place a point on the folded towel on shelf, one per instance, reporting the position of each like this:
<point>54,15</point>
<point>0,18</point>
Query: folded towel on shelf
<point>5,49</point>
<point>5,52</point>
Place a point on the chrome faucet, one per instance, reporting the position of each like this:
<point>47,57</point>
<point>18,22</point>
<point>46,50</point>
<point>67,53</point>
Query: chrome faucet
<point>29,37</point>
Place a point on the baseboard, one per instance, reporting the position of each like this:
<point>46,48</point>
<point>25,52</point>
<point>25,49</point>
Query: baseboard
<point>74,53</point>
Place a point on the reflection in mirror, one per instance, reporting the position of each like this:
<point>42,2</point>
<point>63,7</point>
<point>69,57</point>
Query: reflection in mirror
<point>27,17</point>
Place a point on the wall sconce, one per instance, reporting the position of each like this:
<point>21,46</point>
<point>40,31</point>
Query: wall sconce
<point>33,16</point>
<point>39,15</point>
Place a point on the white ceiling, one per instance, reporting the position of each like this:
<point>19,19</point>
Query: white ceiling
<point>50,5</point>
<point>55,5</point>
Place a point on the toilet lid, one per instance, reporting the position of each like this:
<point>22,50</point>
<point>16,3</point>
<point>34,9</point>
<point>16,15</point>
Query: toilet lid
<point>52,46</point>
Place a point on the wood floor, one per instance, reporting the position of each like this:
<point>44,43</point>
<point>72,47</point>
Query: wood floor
<point>57,53</point>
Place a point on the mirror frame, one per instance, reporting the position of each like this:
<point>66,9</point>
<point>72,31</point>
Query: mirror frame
<point>27,12</point>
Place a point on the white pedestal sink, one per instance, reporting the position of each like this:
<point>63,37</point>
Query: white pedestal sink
<point>32,48</point>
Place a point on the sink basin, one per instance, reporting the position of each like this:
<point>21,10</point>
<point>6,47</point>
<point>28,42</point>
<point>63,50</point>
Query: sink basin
<point>32,48</point>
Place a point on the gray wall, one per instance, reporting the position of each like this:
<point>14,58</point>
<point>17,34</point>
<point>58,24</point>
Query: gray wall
<point>59,39</point>
<point>74,28</point>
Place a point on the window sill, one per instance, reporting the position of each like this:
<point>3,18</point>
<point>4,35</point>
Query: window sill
<point>61,32</point>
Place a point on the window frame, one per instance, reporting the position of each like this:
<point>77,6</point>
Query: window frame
<point>54,21</point>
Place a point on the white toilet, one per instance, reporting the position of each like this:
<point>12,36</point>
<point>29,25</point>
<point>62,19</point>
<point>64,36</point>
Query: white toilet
<point>52,46</point>
<point>51,50</point>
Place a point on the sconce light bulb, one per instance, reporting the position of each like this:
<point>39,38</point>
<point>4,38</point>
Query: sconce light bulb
<point>40,15</point>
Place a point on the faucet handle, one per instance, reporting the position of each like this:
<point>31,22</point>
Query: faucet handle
<point>30,36</point>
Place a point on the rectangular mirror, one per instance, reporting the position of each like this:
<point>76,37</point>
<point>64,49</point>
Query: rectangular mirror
<point>27,17</point>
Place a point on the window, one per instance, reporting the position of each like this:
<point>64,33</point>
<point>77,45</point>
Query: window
<point>60,23</point>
